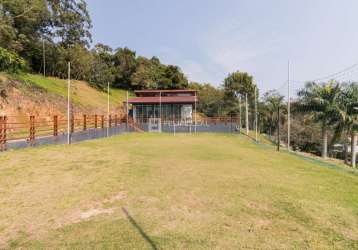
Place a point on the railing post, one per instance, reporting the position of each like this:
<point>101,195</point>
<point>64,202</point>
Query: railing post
<point>3,128</point>
<point>32,130</point>
<point>102,121</point>
<point>110,121</point>
<point>55,125</point>
<point>95,121</point>
<point>115,120</point>
<point>72,124</point>
<point>1,133</point>
<point>84,122</point>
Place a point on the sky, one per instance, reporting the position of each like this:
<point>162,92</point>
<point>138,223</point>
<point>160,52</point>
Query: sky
<point>208,39</point>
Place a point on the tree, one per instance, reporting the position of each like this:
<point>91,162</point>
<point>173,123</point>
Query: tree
<point>238,84</point>
<point>211,99</point>
<point>322,100</point>
<point>11,62</point>
<point>147,74</point>
<point>172,78</point>
<point>71,22</point>
<point>63,26</point>
<point>102,69</point>
<point>273,102</point>
<point>348,122</point>
<point>125,63</point>
<point>22,24</point>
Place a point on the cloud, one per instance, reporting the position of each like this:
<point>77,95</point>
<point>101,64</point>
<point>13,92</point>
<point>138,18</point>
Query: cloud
<point>196,72</point>
<point>230,47</point>
<point>221,48</point>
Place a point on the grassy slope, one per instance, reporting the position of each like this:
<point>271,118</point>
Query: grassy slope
<point>185,192</point>
<point>82,93</point>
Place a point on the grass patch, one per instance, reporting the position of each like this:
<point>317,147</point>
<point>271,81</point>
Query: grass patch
<point>147,191</point>
<point>82,93</point>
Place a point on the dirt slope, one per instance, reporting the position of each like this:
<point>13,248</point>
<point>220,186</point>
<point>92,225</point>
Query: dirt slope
<point>24,95</point>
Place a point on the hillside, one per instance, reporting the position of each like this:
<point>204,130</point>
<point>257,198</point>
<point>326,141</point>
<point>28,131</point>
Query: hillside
<point>209,191</point>
<point>28,94</point>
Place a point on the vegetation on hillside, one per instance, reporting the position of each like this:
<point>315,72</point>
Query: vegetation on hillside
<point>28,94</point>
<point>61,31</point>
<point>323,115</point>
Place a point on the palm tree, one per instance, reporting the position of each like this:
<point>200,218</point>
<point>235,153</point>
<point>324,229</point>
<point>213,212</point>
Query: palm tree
<point>349,116</point>
<point>322,101</point>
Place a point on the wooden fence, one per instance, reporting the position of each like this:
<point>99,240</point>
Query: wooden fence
<point>15,128</point>
<point>20,128</point>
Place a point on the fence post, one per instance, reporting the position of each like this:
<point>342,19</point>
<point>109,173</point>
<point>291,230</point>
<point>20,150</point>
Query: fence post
<point>55,125</point>
<point>1,134</point>
<point>102,121</point>
<point>95,121</point>
<point>32,130</point>
<point>115,120</point>
<point>3,128</point>
<point>84,122</point>
<point>230,123</point>
<point>110,121</point>
<point>72,124</point>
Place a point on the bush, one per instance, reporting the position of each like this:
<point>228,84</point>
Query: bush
<point>11,62</point>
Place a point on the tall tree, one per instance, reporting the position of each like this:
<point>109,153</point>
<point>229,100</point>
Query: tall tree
<point>238,84</point>
<point>22,24</point>
<point>172,78</point>
<point>211,99</point>
<point>147,73</point>
<point>102,69</point>
<point>322,100</point>
<point>125,63</point>
<point>273,101</point>
<point>349,116</point>
<point>71,22</point>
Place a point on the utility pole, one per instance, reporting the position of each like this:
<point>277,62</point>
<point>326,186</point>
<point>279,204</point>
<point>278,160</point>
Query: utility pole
<point>69,105</point>
<point>247,115</point>
<point>278,128</point>
<point>256,136</point>
<point>288,109</point>
<point>107,109</point>
<point>44,57</point>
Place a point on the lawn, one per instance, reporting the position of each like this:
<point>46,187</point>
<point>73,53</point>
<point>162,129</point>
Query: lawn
<point>159,191</point>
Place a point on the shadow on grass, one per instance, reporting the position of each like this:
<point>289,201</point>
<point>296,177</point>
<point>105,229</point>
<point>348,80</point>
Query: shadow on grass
<point>139,229</point>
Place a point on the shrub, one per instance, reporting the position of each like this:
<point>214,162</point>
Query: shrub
<point>11,62</point>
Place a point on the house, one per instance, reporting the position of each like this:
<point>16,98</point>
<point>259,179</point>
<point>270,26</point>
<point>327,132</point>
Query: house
<point>165,105</point>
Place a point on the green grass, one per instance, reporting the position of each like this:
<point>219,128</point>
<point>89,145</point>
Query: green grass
<point>82,93</point>
<point>145,191</point>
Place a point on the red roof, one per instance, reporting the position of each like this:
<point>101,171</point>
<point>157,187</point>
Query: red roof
<point>165,99</point>
<point>166,91</point>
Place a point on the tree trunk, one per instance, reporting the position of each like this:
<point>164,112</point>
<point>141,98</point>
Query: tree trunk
<point>353,149</point>
<point>278,129</point>
<point>345,153</point>
<point>325,142</point>
<point>247,116</point>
